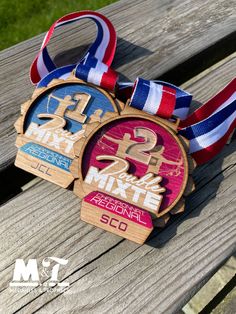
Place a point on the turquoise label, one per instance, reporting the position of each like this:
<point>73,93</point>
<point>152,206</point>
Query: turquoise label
<point>45,154</point>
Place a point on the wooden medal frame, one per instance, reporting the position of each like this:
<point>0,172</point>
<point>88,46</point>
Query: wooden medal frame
<point>188,186</point>
<point>57,176</point>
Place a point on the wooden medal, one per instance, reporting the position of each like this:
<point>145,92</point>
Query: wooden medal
<point>129,169</point>
<point>54,119</point>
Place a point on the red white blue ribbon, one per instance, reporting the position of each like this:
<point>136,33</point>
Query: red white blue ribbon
<point>159,98</point>
<point>103,48</point>
<point>94,71</point>
<point>209,127</point>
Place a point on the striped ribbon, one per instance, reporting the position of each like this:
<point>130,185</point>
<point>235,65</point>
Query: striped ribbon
<point>159,98</point>
<point>103,48</point>
<point>207,129</point>
<point>94,71</point>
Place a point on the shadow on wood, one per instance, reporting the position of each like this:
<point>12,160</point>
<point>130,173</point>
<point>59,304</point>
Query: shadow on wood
<point>126,52</point>
<point>207,179</point>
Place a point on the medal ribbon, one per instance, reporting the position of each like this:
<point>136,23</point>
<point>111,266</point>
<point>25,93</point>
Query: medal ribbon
<point>95,68</point>
<point>102,51</point>
<point>159,98</point>
<point>90,69</point>
<point>207,129</point>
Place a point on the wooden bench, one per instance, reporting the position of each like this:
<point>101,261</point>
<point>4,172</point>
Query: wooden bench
<point>184,42</point>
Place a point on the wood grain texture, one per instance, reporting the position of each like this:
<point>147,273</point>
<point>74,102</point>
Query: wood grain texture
<point>154,36</point>
<point>111,275</point>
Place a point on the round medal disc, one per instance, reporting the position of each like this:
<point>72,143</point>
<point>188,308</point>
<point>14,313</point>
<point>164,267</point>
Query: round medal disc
<point>137,160</point>
<point>52,121</point>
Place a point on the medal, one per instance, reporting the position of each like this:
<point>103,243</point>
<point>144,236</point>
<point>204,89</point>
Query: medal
<point>134,169</point>
<point>130,163</point>
<point>52,121</point>
<point>131,171</point>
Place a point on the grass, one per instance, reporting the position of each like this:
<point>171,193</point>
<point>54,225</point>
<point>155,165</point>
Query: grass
<point>23,19</point>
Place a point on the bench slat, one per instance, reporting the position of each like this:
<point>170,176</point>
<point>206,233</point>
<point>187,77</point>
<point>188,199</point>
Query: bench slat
<point>154,38</point>
<point>108,274</point>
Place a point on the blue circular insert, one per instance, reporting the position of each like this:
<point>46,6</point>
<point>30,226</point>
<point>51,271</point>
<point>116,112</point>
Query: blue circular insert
<point>49,102</point>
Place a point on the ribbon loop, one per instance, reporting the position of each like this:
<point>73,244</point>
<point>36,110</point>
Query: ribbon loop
<point>159,98</point>
<point>102,49</point>
<point>94,71</point>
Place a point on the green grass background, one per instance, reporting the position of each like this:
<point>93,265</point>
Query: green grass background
<point>23,19</point>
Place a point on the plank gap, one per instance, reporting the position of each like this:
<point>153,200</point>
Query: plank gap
<point>219,297</point>
<point>12,179</point>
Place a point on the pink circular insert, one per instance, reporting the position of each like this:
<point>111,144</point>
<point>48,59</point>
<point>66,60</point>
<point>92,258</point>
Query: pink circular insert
<point>166,157</point>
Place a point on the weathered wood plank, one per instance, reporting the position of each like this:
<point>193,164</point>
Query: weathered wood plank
<point>108,274</point>
<point>201,84</point>
<point>154,37</point>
